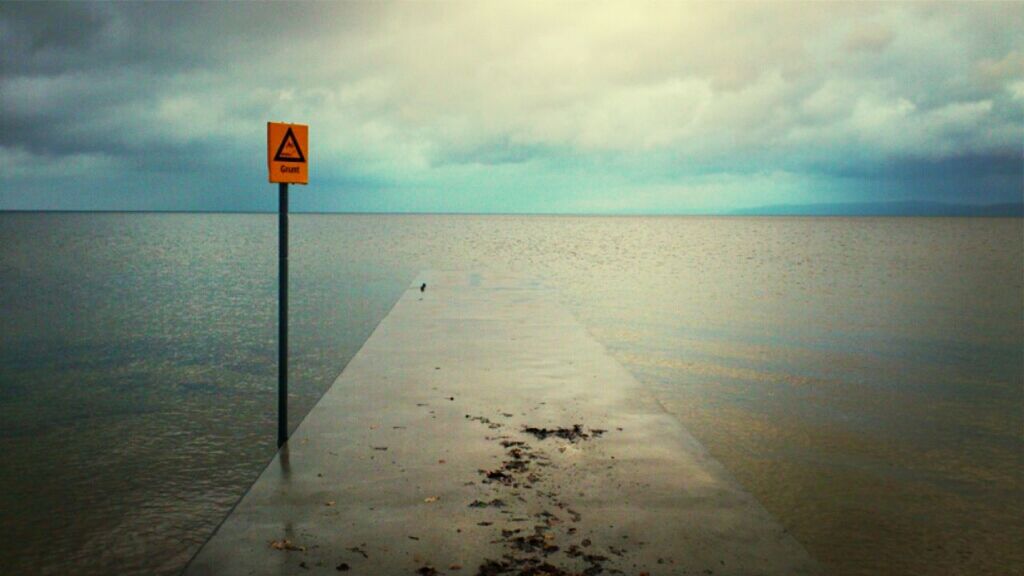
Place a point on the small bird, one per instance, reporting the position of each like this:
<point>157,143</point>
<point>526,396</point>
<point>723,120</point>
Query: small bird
<point>423,287</point>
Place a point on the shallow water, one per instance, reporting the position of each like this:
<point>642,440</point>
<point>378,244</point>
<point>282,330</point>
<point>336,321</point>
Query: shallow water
<point>862,377</point>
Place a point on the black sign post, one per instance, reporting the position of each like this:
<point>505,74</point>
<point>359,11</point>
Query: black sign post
<point>282,315</point>
<point>287,162</point>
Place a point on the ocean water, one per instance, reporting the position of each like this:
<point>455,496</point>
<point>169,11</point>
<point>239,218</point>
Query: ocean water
<point>863,378</point>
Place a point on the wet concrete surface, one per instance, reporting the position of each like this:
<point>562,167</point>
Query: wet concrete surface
<point>482,430</point>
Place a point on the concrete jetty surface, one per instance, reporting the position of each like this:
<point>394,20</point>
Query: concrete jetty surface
<point>482,430</point>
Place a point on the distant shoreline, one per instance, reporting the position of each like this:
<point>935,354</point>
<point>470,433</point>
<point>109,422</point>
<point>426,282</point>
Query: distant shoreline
<point>787,211</point>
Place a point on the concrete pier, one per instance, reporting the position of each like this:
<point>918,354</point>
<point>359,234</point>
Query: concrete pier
<point>482,430</point>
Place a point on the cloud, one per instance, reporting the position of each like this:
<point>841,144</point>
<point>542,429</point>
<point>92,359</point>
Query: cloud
<point>869,38</point>
<point>400,95</point>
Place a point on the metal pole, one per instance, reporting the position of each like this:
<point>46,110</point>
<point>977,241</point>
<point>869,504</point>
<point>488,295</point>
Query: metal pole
<point>282,316</point>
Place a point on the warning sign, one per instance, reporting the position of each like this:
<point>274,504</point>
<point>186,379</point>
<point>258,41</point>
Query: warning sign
<point>288,152</point>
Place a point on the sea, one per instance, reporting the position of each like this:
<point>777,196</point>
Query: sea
<point>863,378</point>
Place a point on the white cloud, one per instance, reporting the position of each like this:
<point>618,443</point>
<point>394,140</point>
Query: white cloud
<point>869,37</point>
<point>696,78</point>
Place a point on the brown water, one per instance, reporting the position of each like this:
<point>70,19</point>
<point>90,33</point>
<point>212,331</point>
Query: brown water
<point>862,377</point>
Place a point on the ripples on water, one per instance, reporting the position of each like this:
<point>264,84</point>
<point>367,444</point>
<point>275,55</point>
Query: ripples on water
<point>862,377</point>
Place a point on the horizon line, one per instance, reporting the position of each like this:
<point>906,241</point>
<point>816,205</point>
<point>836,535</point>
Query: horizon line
<point>744,214</point>
<point>898,208</point>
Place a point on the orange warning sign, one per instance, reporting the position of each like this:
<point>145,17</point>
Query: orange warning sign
<point>288,152</point>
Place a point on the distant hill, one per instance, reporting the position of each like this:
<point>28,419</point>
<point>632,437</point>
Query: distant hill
<point>885,209</point>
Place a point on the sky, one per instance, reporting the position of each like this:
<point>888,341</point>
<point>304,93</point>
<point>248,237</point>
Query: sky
<point>532,107</point>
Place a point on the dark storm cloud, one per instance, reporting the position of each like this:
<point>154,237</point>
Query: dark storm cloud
<point>74,73</point>
<point>92,78</point>
<point>56,38</point>
<point>47,38</point>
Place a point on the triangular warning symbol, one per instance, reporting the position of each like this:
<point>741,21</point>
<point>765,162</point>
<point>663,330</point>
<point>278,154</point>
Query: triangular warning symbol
<point>289,150</point>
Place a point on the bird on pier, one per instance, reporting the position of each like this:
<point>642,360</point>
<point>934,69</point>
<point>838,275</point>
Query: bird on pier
<point>423,287</point>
